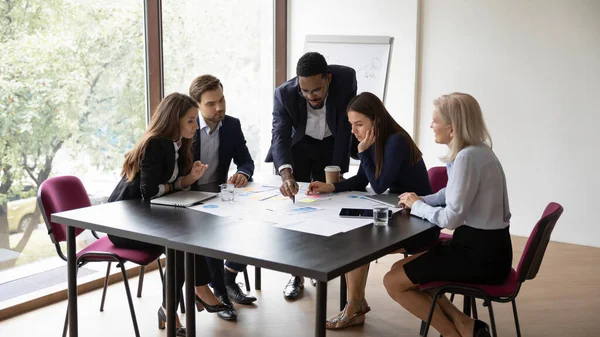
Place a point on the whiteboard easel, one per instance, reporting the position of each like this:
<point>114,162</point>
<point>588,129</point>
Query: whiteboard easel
<point>369,56</point>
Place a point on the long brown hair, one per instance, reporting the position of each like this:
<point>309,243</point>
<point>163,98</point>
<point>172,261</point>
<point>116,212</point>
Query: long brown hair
<point>371,106</point>
<point>164,123</point>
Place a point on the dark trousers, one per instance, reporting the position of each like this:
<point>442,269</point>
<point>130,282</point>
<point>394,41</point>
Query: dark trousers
<point>218,274</point>
<point>202,271</point>
<point>310,156</point>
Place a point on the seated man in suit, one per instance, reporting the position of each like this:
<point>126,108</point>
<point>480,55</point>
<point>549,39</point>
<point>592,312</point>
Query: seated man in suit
<point>218,140</point>
<point>311,128</point>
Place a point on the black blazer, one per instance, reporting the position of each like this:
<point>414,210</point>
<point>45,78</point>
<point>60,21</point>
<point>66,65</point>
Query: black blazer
<point>289,117</point>
<point>232,145</point>
<point>158,163</point>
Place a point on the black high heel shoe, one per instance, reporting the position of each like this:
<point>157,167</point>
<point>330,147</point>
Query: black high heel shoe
<point>481,329</point>
<point>201,305</point>
<point>162,319</point>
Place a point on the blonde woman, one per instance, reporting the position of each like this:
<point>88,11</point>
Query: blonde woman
<point>475,204</point>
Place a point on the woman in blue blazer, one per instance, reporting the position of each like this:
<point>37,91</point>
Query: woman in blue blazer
<point>389,159</point>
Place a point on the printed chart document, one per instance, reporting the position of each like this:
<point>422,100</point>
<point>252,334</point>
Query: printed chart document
<point>315,214</point>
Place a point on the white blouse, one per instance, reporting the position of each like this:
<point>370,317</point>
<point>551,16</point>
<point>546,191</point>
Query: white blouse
<point>177,185</point>
<point>475,195</point>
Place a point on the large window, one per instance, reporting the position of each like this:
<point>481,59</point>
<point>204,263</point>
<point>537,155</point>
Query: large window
<point>232,40</point>
<point>72,101</point>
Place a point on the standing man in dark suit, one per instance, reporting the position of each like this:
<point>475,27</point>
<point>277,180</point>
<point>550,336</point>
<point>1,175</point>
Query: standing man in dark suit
<point>311,129</point>
<point>218,140</point>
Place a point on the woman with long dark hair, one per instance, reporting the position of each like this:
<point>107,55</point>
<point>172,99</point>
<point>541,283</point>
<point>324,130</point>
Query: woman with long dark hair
<point>389,159</point>
<point>160,163</point>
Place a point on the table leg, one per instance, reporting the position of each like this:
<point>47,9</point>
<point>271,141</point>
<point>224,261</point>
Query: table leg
<point>343,292</point>
<point>257,278</point>
<point>321,309</point>
<point>190,314</point>
<point>171,301</point>
<point>72,281</point>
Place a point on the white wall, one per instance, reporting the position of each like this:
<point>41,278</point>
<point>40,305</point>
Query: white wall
<point>534,67</point>
<point>358,17</point>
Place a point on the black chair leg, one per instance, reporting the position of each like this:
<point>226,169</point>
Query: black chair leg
<point>430,316</point>
<point>246,279</point>
<point>422,329</point>
<point>130,301</point>
<point>105,286</point>
<point>492,320</point>
<point>141,281</point>
<point>514,305</point>
<point>474,307</point>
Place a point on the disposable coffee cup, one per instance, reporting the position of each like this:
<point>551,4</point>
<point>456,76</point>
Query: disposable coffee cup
<point>332,174</point>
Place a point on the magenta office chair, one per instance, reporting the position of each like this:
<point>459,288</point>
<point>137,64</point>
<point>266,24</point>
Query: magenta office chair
<point>528,267</point>
<point>66,193</point>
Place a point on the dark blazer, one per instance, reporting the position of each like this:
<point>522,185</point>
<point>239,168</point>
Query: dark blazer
<point>289,117</point>
<point>397,174</point>
<point>232,145</point>
<point>158,163</point>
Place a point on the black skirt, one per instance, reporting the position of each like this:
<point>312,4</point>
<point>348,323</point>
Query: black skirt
<point>472,256</point>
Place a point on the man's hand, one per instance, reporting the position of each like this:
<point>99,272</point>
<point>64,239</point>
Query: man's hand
<point>238,180</point>
<point>289,186</point>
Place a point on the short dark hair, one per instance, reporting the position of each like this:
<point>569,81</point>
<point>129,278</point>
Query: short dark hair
<point>311,64</point>
<point>202,84</point>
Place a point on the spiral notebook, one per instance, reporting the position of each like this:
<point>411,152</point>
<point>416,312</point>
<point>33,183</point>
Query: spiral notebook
<point>183,198</point>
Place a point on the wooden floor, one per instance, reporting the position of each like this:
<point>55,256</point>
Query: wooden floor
<point>564,300</point>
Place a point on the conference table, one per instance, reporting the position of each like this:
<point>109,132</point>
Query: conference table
<point>321,258</point>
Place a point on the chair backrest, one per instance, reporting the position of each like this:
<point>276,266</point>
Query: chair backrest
<point>530,262</point>
<point>60,194</point>
<point>438,178</point>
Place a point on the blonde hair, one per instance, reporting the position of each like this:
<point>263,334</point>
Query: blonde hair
<point>463,113</point>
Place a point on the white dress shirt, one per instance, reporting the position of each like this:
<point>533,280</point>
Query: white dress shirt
<point>177,185</point>
<point>475,196</point>
<point>316,125</point>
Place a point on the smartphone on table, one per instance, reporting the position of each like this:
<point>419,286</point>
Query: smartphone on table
<point>359,213</point>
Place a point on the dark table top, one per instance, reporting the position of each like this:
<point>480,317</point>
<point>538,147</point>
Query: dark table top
<point>319,257</point>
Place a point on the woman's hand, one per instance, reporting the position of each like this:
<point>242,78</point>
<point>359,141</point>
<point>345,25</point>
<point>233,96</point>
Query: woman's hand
<point>197,171</point>
<point>318,187</point>
<point>408,199</point>
<point>367,141</point>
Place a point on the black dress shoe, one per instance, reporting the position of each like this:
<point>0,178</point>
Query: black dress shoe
<point>237,295</point>
<point>294,287</point>
<point>229,314</point>
<point>481,329</point>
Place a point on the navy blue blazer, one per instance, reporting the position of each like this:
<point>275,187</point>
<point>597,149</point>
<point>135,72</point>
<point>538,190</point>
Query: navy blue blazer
<point>289,117</point>
<point>397,173</point>
<point>232,145</point>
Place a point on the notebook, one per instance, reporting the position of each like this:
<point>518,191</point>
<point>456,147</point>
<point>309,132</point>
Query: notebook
<point>390,199</point>
<point>183,198</point>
